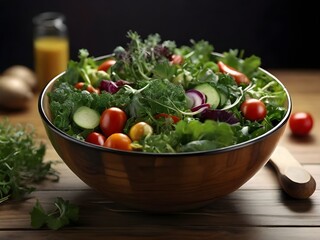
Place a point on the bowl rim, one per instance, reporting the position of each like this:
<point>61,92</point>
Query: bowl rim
<point>46,120</point>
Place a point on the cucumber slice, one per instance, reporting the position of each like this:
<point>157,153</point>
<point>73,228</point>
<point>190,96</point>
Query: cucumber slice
<point>223,99</point>
<point>213,97</point>
<point>86,118</point>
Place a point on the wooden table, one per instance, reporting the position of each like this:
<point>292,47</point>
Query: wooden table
<point>258,210</point>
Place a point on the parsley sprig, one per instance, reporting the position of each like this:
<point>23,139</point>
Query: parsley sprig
<point>21,161</point>
<point>63,213</point>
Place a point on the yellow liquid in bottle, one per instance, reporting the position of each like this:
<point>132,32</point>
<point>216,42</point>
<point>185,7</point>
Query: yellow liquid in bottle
<point>51,58</point>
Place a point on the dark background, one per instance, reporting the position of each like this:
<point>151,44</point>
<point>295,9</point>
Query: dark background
<point>283,33</point>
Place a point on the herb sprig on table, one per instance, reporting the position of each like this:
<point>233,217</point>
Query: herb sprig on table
<point>21,161</point>
<point>22,165</point>
<point>63,214</point>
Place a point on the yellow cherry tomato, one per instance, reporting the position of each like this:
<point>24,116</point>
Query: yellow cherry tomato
<point>139,130</point>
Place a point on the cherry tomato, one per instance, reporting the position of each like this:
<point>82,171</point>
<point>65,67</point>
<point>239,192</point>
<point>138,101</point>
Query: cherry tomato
<point>106,65</point>
<point>112,120</point>
<point>239,77</point>
<point>175,119</point>
<point>301,123</point>
<point>118,141</point>
<point>253,109</point>
<point>176,59</point>
<point>84,86</point>
<point>96,138</point>
<point>139,130</point>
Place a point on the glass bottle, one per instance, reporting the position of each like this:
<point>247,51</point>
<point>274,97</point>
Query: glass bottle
<point>51,46</point>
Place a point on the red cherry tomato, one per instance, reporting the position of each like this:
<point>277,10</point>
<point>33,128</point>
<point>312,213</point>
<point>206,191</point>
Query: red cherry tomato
<point>106,65</point>
<point>112,120</point>
<point>118,141</point>
<point>176,59</point>
<point>96,138</point>
<point>239,77</point>
<point>301,123</point>
<point>253,109</point>
<point>89,88</point>
<point>175,119</point>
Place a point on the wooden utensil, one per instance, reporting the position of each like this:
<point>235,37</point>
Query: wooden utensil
<point>293,178</point>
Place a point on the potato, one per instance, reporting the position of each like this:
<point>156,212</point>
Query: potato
<point>14,93</point>
<point>23,72</point>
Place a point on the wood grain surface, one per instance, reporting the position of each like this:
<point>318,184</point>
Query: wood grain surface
<point>258,210</point>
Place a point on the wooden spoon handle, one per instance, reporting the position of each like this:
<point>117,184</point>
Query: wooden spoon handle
<point>293,178</point>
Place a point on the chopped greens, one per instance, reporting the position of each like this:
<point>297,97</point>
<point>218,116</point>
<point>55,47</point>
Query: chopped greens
<point>147,81</point>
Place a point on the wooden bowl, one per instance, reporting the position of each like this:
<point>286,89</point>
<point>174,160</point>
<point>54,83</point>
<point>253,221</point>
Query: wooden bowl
<point>162,182</point>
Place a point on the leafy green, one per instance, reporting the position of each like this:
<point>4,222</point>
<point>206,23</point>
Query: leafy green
<point>192,135</point>
<point>65,100</point>
<point>219,134</point>
<point>248,66</point>
<point>64,213</point>
<point>198,53</point>
<point>137,61</point>
<point>161,143</point>
<point>164,70</point>
<point>21,161</point>
<point>162,96</point>
<point>85,70</point>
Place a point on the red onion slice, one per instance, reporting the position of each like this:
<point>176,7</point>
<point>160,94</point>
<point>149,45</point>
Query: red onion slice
<point>219,115</point>
<point>109,86</point>
<point>200,107</point>
<point>195,98</point>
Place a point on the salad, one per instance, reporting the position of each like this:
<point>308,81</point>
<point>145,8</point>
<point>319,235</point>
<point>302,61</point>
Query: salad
<point>153,96</point>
